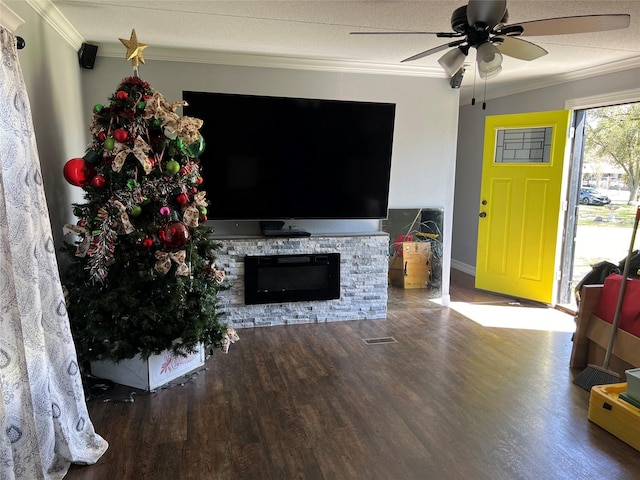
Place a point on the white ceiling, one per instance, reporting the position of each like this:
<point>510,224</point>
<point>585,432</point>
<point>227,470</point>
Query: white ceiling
<point>315,34</point>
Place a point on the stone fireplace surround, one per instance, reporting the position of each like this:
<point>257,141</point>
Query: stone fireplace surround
<point>363,278</point>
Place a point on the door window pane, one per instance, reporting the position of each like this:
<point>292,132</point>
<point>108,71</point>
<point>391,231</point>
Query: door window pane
<point>523,145</point>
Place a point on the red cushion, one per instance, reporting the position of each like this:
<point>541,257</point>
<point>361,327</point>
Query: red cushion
<point>630,314</point>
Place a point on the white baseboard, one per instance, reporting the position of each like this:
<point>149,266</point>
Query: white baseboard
<point>445,300</point>
<point>463,267</point>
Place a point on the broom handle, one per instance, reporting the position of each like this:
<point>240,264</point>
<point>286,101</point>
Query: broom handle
<point>623,287</point>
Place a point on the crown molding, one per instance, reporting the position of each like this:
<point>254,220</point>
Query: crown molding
<point>50,13</point>
<point>245,59</point>
<point>9,19</point>
<point>585,73</point>
<point>594,101</point>
<point>515,88</point>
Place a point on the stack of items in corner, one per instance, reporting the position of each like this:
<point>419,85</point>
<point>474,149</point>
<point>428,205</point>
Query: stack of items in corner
<point>411,265</point>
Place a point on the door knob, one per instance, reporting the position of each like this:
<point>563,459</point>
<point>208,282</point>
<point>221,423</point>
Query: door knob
<point>482,214</point>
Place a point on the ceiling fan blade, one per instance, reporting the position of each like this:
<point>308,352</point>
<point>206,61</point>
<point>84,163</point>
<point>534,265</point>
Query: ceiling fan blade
<point>486,12</point>
<point>439,34</point>
<point>518,48</point>
<point>434,50</point>
<point>569,25</point>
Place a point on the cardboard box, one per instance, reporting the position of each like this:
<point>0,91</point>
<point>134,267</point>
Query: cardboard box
<point>412,268</point>
<point>416,251</point>
<point>633,383</point>
<point>615,415</point>
<point>151,374</point>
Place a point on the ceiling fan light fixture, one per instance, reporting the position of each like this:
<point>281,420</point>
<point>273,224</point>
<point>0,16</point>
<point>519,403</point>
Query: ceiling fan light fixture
<point>491,74</point>
<point>452,61</point>
<point>489,60</point>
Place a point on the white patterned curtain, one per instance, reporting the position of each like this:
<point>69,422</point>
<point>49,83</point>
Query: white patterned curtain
<point>44,424</point>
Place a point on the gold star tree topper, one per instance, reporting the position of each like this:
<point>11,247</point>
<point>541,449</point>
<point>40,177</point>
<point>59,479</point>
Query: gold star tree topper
<point>134,49</point>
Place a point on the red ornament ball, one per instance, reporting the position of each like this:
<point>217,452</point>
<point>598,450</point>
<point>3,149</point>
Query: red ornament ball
<point>182,199</point>
<point>78,172</point>
<point>121,135</point>
<point>122,95</point>
<point>147,242</point>
<point>174,234</point>
<point>102,136</point>
<point>99,181</point>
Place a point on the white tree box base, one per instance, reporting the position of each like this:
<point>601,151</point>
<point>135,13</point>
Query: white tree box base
<point>151,374</point>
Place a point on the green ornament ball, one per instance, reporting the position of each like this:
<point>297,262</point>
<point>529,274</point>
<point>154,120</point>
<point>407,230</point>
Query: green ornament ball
<point>136,211</point>
<point>195,149</point>
<point>110,143</point>
<point>141,105</point>
<point>203,210</point>
<point>97,108</point>
<point>91,157</point>
<point>172,167</point>
<point>157,122</point>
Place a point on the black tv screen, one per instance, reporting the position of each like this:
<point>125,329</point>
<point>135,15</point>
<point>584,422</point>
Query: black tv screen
<point>277,158</point>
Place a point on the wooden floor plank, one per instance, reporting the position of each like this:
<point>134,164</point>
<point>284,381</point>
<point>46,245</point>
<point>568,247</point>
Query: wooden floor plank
<point>450,400</point>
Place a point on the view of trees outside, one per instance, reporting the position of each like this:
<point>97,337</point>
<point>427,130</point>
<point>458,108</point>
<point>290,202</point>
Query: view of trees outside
<point>611,166</point>
<point>612,148</point>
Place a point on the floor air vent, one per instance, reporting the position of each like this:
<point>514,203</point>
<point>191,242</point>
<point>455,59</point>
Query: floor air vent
<point>376,341</point>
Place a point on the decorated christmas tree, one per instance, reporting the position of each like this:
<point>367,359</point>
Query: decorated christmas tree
<point>142,277</point>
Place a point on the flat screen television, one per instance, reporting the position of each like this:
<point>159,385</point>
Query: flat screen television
<point>279,158</point>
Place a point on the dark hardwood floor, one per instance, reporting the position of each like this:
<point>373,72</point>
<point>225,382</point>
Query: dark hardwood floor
<point>450,399</point>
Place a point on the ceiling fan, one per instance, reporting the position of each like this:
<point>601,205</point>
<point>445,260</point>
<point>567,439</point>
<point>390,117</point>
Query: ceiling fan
<point>481,24</point>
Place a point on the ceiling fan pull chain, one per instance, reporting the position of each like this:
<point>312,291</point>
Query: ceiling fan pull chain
<point>484,95</point>
<point>473,99</point>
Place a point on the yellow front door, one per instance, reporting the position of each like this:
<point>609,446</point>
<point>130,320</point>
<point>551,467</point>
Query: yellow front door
<point>520,204</point>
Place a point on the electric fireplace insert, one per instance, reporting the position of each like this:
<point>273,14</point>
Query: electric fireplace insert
<point>291,278</point>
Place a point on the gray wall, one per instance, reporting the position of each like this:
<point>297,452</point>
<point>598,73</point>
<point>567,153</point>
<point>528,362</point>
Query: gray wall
<point>52,76</point>
<point>471,141</point>
<point>424,150</point>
